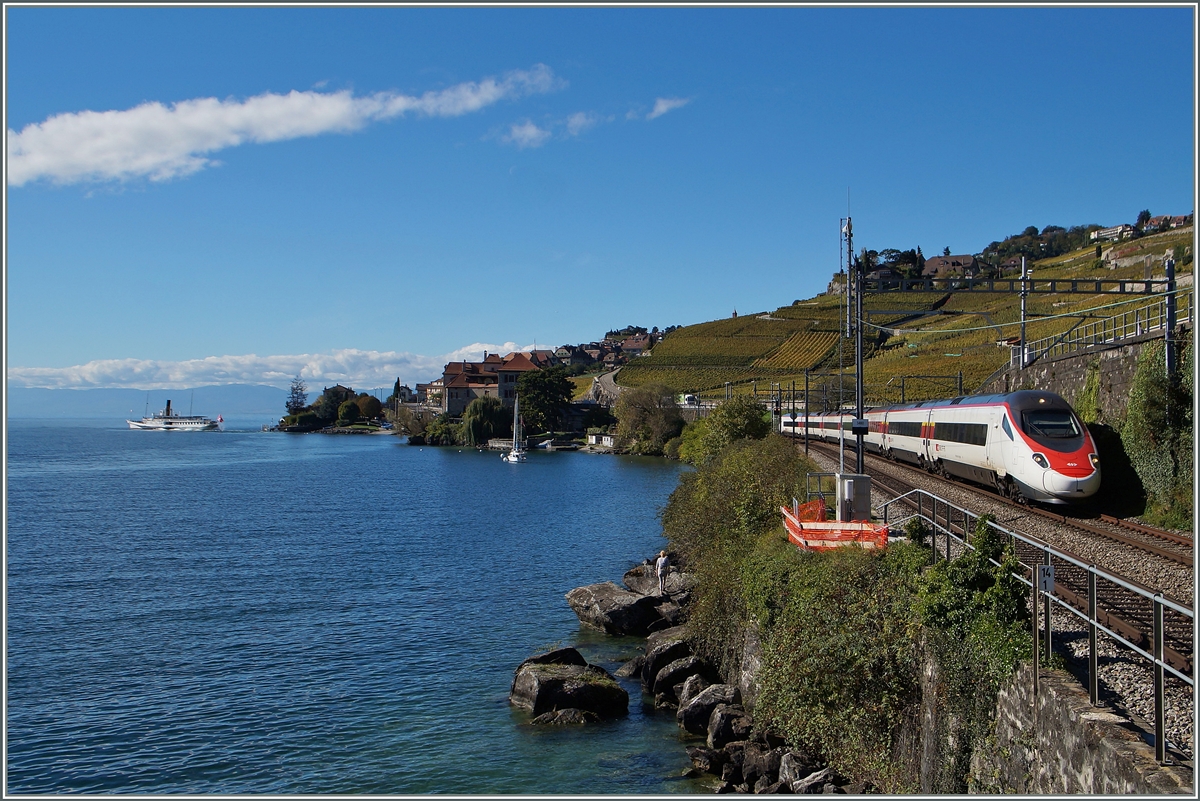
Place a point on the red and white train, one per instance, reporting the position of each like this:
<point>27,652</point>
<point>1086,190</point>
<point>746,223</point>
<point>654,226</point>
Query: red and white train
<point>1026,444</point>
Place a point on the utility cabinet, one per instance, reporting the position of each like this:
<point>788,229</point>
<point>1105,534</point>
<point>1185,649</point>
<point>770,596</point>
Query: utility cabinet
<point>853,497</point>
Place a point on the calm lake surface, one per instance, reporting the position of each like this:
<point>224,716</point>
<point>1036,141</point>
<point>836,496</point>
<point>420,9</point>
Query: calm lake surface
<point>244,612</point>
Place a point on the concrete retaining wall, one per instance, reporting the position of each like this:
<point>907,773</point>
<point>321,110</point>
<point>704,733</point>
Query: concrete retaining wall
<point>1062,744</point>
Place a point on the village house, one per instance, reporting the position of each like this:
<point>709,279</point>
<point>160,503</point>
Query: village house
<point>495,376</point>
<point>569,355</point>
<point>887,277</point>
<point>428,393</point>
<point>944,266</point>
<point>1112,234</point>
<point>339,394</point>
<point>1011,264</point>
<point>635,345</point>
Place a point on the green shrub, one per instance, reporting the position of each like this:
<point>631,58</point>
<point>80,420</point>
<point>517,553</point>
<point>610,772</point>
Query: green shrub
<point>1157,434</point>
<point>840,668</point>
<point>976,621</point>
<point>917,531</point>
<point>715,519</point>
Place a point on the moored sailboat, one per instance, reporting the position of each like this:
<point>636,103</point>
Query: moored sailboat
<point>517,454</point>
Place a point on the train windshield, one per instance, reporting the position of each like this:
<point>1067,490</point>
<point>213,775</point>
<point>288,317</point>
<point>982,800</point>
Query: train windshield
<point>1043,424</point>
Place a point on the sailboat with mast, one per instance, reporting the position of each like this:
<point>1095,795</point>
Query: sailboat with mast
<point>517,454</point>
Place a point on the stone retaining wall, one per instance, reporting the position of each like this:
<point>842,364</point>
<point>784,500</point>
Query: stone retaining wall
<point>1067,376</point>
<point>1065,745</point>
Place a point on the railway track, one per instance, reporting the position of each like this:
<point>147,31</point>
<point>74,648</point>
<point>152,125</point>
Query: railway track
<point>1122,610</point>
<point>1165,544</point>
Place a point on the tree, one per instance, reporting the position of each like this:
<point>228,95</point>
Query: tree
<point>369,406</point>
<point>543,394</point>
<point>326,408</point>
<point>647,417</point>
<point>394,398</point>
<point>441,431</point>
<point>348,412</point>
<point>946,250</point>
<point>740,417</point>
<point>297,399</point>
<point>1142,218</point>
<point>483,419</point>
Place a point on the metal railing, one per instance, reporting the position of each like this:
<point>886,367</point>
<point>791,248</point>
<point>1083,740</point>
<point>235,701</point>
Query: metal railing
<point>945,516</point>
<point>1126,325</point>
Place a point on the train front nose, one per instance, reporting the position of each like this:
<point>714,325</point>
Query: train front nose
<point>1071,488</point>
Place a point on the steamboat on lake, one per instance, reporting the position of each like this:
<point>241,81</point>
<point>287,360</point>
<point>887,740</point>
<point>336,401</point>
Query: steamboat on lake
<point>167,420</point>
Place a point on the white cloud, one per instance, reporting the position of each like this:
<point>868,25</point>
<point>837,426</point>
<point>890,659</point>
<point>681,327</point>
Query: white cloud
<point>160,142</point>
<point>580,121</point>
<point>664,104</point>
<point>352,367</point>
<point>527,134</point>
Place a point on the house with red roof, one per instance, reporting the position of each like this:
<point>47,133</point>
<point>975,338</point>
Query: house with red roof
<point>495,376</point>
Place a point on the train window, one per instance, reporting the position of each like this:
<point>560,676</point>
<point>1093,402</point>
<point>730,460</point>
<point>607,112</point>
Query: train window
<point>968,433</point>
<point>1051,424</point>
<point>1004,424</point>
<point>904,428</point>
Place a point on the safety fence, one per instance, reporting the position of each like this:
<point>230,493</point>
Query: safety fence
<point>1126,325</point>
<point>954,525</point>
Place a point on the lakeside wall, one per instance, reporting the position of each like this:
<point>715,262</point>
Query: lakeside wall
<point>1062,744</point>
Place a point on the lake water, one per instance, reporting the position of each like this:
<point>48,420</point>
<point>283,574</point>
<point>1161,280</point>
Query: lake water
<point>244,612</point>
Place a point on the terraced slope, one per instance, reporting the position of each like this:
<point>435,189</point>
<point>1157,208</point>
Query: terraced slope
<point>921,340</point>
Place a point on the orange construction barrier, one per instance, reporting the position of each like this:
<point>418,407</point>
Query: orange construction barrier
<point>812,512</point>
<point>822,535</point>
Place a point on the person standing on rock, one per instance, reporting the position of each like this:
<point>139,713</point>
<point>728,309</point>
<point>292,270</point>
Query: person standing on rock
<point>661,566</point>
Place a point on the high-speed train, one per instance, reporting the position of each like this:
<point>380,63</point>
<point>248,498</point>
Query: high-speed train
<point>1027,444</point>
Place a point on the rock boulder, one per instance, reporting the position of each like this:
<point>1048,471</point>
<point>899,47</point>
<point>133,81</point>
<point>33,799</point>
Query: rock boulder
<point>542,687</point>
<point>659,656</point>
<point>565,717</point>
<point>679,671</point>
<point>691,688</point>
<point>613,610</point>
<point>693,716</point>
<point>729,722</point>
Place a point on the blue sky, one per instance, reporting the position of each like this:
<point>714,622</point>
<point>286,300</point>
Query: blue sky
<point>212,195</point>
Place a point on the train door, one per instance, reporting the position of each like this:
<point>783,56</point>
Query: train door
<point>993,453</point>
<point>1014,456</point>
<point>927,446</point>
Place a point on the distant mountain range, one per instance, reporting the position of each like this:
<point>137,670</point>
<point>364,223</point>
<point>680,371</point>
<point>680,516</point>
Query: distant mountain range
<point>230,399</point>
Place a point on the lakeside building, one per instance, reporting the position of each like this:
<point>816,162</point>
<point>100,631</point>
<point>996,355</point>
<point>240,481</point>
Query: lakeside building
<point>495,376</point>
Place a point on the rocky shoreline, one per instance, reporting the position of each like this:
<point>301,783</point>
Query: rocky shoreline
<point>716,728</point>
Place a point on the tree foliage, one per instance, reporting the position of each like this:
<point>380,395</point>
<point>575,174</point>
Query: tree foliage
<point>297,400</point>
<point>543,395</point>
<point>647,418</point>
<point>348,412</point>
<point>483,419</point>
<point>1053,240</point>
<point>739,417</point>
<point>369,406</point>
<point>1157,434</point>
<point>442,431</point>
<point>326,408</point>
